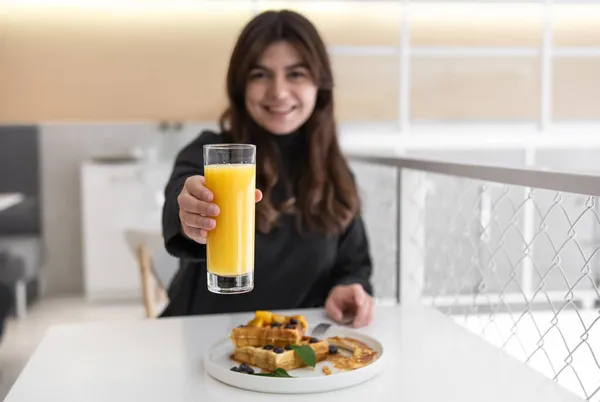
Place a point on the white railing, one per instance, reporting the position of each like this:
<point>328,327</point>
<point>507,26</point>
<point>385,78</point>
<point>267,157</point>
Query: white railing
<point>511,253</point>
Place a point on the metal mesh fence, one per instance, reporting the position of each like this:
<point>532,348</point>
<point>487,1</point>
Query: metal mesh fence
<point>518,265</point>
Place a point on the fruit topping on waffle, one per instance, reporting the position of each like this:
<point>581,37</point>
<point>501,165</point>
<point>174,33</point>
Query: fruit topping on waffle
<point>267,328</point>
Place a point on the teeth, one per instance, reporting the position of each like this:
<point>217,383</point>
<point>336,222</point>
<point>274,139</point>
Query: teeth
<point>272,110</point>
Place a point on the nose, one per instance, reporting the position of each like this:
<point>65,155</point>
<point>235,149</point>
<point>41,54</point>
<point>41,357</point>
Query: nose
<point>279,87</point>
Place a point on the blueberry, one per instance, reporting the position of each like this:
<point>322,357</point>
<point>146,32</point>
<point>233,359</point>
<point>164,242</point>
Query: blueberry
<point>244,367</point>
<point>275,325</point>
<point>237,370</point>
<point>268,347</point>
<point>289,326</point>
<point>278,350</point>
<point>332,349</point>
<point>293,321</point>
<point>288,347</point>
<point>313,340</point>
<point>250,370</point>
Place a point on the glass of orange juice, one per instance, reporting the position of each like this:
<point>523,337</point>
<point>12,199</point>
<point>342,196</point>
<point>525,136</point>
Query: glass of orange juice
<point>230,173</point>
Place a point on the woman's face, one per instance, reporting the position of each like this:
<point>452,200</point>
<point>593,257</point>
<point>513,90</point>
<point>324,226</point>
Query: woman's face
<point>280,91</point>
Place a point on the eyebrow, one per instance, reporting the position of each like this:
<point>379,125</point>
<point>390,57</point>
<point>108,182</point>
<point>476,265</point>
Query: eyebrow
<point>290,67</point>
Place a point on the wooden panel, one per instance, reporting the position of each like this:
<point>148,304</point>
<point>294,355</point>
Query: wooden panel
<point>576,25</point>
<point>475,24</point>
<point>576,88</point>
<point>111,63</point>
<point>366,87</point>
<point>350,23</point>
<point>474,89</point>
<point>140,62</point>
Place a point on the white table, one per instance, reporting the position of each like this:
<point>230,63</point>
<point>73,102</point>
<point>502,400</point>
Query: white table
<point>8,200</point>
<point>430,359</point>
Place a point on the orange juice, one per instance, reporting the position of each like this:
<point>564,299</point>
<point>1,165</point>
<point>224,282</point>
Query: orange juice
<point>230,245</point>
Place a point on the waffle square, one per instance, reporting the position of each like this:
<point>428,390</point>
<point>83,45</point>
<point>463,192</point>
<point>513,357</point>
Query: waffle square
<point>273,358</point>
<point>267,328</point>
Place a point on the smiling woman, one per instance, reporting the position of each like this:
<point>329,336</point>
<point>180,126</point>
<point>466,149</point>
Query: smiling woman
<point>280,82</point>
<point>311,248</point>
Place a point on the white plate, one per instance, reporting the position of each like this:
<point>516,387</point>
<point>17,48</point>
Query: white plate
<point>218,364</point>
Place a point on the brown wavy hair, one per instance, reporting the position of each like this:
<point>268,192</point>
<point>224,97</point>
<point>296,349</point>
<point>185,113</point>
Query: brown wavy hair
<point>327,198</point>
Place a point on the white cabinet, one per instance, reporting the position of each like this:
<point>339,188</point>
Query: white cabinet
<point>116,197</point>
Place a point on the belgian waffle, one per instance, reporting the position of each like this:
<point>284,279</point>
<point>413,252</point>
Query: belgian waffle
<point>269,329</point>
<point>269,360</point>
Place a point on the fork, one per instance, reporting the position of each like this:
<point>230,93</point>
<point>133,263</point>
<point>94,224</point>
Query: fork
<point>321,328</point>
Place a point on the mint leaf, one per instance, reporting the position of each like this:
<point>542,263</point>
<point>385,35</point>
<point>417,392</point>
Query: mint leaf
<point>281,373</point>
<point>306,353</point>
<point>277,373</point>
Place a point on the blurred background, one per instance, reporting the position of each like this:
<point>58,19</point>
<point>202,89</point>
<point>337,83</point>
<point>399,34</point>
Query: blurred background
<point>97,97</point>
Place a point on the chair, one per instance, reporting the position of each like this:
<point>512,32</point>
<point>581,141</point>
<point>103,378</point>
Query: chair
<point>6,304</point>
<point>21,235</point>
<point>12,272</point>
<point>156,271</point>
<point>157,268</point>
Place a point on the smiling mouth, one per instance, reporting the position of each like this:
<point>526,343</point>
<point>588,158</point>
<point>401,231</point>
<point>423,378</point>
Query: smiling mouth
<point>278,111</point>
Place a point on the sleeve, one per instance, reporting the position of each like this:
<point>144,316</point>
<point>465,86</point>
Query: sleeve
<point>189,162</point>
<point>353,263</point>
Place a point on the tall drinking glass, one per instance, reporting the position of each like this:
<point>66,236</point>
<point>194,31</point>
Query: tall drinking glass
<point>230,173</point>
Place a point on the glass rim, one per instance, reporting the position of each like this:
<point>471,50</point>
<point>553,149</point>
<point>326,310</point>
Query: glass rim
<point>230,146</point>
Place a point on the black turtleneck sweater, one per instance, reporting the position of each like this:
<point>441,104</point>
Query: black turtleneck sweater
<point>290,271</point>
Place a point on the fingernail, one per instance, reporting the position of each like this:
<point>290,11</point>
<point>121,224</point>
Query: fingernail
<point>347,319</point>
<point>207,195</point>
<point>211,223</point>
<point>213,210</point>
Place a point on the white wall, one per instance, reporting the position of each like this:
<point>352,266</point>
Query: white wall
<point>63,148</point>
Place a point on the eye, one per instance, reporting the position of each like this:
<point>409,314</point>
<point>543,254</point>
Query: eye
<point>257,75</point>
<point>297,74</point>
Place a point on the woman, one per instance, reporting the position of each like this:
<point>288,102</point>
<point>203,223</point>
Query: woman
<point>310,247</point>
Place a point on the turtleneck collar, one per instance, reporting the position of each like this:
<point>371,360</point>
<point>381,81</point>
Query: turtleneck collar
<point>285,141</point>
<point>279,139</point>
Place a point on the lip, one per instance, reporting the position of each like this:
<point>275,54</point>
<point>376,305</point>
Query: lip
<point>279,111</point>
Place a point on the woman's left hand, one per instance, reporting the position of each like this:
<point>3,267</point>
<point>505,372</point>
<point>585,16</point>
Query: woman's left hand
<point>350,300</point>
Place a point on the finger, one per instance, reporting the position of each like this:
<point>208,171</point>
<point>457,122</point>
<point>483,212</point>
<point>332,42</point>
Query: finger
<point>364,313</point>
<point>195,186</point>
<point>333,309</point>
<point>198,235</point>
<point>360,296</point>
<point>259,195</point>
<point>371,312</point>
<point>189,203</point>
<point>197,221</point>
<point>361,301</point>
